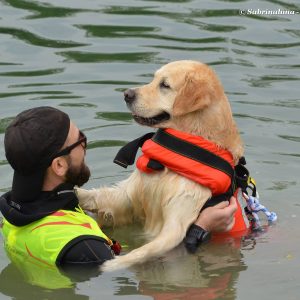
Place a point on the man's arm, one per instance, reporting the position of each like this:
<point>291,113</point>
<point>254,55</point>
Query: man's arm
<point>86,251</point>
<point>218,218</point>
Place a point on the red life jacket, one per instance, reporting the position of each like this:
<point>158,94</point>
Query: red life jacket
<point>193,157</point>
<point>207,175</point>
<point>203,172</point>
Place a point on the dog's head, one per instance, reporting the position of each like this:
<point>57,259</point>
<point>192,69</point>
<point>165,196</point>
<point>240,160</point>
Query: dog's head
<point>188,96</point>
<point>178,88</point>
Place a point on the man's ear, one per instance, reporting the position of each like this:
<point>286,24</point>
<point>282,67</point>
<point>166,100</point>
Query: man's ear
<point>194,95</point>
<point>60,166</point>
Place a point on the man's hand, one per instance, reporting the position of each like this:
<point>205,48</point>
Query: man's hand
<point>218,218</point>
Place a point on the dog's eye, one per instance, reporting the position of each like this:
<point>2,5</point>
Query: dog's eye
<point>164,85</point>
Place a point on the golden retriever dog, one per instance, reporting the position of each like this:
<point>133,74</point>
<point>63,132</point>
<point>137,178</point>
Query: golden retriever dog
<point>186,96</point>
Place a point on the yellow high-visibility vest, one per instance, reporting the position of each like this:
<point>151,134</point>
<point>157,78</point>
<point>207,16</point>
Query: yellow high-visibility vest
<point>44,240</point>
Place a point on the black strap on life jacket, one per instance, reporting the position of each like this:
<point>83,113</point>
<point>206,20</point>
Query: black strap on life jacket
<point>192,151</point>
<point>240,180</point>
<point>127,153</point>
<point>239,175</point>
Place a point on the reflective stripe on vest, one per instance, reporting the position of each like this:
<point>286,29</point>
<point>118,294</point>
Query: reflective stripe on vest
<point>44,239</point>
<point>206,175</point>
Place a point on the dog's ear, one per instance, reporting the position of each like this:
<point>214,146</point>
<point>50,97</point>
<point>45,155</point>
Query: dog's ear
<point>194,95</point>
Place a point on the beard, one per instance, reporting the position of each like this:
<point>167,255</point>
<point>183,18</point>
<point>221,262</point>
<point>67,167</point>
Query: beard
<point>78,175</point>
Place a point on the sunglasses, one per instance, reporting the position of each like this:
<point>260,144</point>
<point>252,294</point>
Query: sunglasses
<point>81,141</point>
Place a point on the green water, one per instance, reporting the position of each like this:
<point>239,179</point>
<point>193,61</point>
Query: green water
<point>79,56</point>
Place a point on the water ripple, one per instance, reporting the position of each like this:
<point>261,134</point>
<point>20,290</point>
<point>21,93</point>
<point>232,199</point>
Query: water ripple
<point>290,138</point>
<point>103,31</point>
<point>260,54</point>
<point>9,64</point>
<point>215,27</point>
<point>32,73</point>
<point>267,80</point>
<point>292,32</point>
<point>97,82</point>
<point>33,39</point>
<point>231,61</point>
<point>92,57</point>
<point>181,17</point>
<point>43,10</point>
<point>262,119</point>
<point>171,1</point>
<point>68,104</point>
<point>289,103</point>
<point>6,95</point>
<point>290,6</point>
<point>283,66</point>
<point>3,162</point>
<point>57,97</point>
<point>186,48</point>
<point>4,123</point>
<point>106,143</point>
<point>114,116</point>
<point>265,45</point>
<point>282,185</point>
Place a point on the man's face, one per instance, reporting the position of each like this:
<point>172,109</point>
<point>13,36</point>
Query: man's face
<point>77,175</point>
<point>78,172</point>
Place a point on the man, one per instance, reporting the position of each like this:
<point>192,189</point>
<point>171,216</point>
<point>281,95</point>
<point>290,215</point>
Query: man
<point>42,217</point>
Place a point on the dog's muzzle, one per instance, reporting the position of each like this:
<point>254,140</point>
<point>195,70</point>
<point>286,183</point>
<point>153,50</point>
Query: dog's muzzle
<point>129,96</point>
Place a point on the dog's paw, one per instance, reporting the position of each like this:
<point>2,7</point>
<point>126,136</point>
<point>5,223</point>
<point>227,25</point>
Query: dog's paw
<point>87,199</point>
<point>119,262</point>
<point>112,265</point>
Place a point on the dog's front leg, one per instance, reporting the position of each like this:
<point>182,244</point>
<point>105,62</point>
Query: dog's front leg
<point>178,214</point>
<point>111,204</point>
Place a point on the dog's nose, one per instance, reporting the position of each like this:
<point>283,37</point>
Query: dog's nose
<point>129,96</point>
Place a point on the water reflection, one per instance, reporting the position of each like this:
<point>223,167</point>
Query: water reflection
<point>36,40</point>
<point>43,10</point>
<point>104,82</point>
<point>211,273</point>
<point>282,185</point>
<point>32,73</point>
<point>13,284</point>
<point>265,45</point>
<point>4,123</point>
<point>289,103</point>
<point>92,57</point>
<point>290,138</point>
<point>268,80</point>
<point>262,119</point>
<point>14,94</point>
<point>106,143</point>
<point>140,32</point>
<point>172,13</point>
<point>114,116</point>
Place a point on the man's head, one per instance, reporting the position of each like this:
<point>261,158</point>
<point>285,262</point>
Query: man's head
<point>45,149</point>
<point>68,164</point>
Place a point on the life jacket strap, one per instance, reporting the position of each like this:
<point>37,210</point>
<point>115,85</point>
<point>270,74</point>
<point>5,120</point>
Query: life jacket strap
<point>241,180</point>
<point>240,175</point>
<point>126,155</point>
<point>192,151</point>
